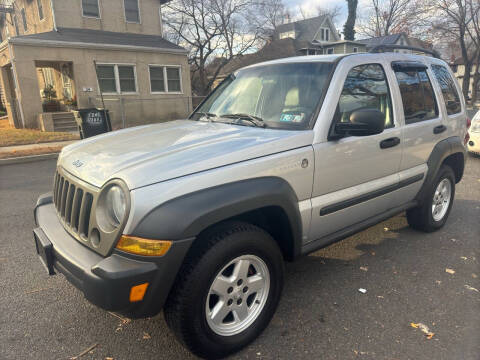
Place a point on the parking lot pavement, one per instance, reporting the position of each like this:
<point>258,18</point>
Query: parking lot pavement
<point>321,315</point>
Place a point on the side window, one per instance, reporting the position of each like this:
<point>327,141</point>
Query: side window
<point>366,87</point>
<point>417,95</point>
<point>449,91</point>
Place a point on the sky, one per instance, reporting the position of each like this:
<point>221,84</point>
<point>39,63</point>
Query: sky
<point>310,7</point>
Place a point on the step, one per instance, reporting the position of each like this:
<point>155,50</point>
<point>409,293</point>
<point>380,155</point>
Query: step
<point>65,128</point>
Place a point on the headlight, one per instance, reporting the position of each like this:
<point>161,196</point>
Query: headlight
<point>115,205</point>
<point>112,207</point>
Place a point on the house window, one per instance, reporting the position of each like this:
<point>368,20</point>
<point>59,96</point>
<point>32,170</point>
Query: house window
<point>126,76</point>
<point>117,79</point>
<point>40,9</point>
<point>15,23</point>
<point>132,12</point>
<point>24,20</point>
<point>287,34</point>
<point>330,51</point>
<point>90,8</point>
<point>165,79</point>
<point>355,49</point>
<point>325,34</point>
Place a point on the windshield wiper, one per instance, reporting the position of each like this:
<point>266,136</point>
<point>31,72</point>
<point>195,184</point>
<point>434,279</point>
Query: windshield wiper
<point>207,114</point>
<point>255,120</point>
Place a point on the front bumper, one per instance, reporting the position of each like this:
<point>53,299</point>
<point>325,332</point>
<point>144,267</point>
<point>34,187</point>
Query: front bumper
<point>106,281</point>
<point>474,143</point>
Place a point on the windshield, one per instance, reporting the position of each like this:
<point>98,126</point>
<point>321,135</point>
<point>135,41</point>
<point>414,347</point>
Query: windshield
<point>280,96</point>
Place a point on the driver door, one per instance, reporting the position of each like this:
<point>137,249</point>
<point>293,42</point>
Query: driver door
<point>354,173</point>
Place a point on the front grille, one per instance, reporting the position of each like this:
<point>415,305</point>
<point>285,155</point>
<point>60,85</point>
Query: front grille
<point>73,203</point>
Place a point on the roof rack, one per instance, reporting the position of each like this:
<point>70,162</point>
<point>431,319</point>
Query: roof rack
<point>379,48</point>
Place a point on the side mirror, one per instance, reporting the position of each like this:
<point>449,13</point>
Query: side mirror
<point>362,122</point>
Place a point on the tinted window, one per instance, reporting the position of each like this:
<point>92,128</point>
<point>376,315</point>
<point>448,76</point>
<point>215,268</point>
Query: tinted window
<point>366,87</point>
<point>449,91</point>
<point>417,95</point>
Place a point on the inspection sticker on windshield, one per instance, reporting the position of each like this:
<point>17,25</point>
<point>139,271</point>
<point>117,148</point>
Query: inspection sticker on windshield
<point>286,117</point>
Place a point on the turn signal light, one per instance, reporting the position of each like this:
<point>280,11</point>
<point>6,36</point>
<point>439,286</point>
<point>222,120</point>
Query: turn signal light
<point>145,247</point>
<point>137,292</point>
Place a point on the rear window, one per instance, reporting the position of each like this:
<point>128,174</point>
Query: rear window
<point>449,90</point>
<point>417,95</point>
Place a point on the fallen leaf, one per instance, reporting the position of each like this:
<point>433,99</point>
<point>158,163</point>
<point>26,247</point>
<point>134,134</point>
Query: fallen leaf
<point>362,290</point>
<point>450,271</point>
<point>468,287</point>
<point>373,253</point>
<point>463,257</point>
<point>385,229</point>
<point>86,351</point>
<point>438,282</point>
<point>109,358</point>
<point>380,297</point>
<point>364,268</point>
<point>424,329</point>
<point>146,336</point>
<point>474,276</point>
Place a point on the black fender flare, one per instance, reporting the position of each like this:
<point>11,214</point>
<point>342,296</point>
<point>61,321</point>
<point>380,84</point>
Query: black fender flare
<point>440,152</point>
<point>188,215</point>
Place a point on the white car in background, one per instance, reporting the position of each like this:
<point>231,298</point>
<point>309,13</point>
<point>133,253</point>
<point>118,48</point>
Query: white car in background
<point>474,132</point>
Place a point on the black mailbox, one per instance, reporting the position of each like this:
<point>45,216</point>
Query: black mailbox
<point>92,122</point>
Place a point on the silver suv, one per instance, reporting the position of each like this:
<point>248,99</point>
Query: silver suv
<point>197,216</point>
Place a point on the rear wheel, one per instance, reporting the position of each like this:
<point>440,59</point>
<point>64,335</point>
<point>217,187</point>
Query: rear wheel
<point>433,213</point>
<point>227,292</point>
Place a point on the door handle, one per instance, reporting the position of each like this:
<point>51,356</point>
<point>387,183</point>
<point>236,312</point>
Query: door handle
<point>390,142</point>
<point>439,129</point>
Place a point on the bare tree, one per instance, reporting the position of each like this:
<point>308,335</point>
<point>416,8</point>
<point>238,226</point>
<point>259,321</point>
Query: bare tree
<point>386,17</point>
<point>457,20</point>
<point>271,13</point>
<point>211,29</point>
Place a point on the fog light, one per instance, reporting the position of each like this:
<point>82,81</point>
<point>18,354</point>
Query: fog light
<point>145,247</point>
<point>137,292</point>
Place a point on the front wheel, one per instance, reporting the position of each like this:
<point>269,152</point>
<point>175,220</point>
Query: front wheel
<point>227,293</point>
<point>433,213</point>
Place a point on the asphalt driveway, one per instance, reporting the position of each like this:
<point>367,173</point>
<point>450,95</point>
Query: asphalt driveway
<point>409,277</point>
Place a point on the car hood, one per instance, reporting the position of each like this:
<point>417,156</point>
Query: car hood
<point>153,153</point>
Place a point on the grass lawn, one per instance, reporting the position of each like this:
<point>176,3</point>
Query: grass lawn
<point>10,136</point>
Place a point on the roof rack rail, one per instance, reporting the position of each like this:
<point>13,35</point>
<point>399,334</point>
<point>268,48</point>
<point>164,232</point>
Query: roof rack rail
<point>379,48</point>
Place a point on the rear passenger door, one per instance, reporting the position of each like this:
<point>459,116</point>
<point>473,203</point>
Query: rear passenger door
<point>423,124</point>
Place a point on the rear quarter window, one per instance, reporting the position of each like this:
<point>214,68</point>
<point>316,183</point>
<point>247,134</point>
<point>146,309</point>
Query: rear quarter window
<point>449,90</point>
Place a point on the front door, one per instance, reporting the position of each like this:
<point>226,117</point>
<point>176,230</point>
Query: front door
<point>353,174</point>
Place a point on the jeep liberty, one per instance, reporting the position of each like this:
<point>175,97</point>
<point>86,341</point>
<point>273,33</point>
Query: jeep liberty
<point>197,216</point>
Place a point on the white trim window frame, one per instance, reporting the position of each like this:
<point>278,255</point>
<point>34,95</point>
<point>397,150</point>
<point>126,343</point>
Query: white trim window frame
<point>92,16</point>
<point>118,88</point>
<point>125,13</point>
<point>165,79</point>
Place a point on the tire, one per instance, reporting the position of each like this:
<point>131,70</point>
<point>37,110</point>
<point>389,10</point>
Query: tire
<point>422,217</point>
<point>187,311</point>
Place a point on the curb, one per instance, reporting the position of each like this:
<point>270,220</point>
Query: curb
<point>27,159</point>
